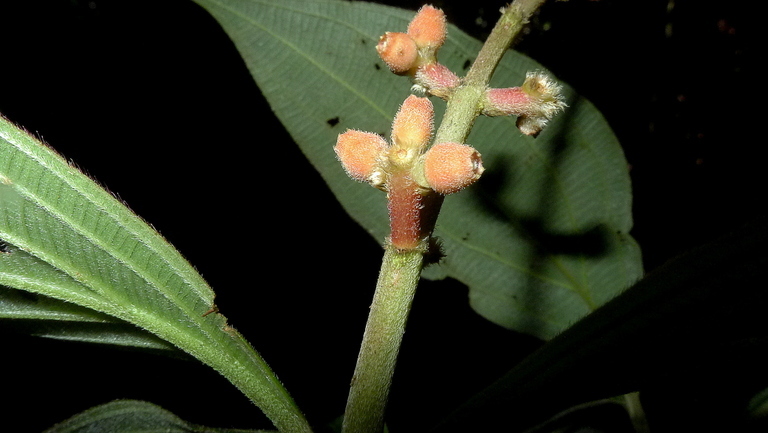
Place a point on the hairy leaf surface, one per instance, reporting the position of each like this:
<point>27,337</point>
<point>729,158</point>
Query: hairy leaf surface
<point>67,238</point>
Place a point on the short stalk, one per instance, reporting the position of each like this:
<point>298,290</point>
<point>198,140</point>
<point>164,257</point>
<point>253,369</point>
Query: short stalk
<point>465,105</point>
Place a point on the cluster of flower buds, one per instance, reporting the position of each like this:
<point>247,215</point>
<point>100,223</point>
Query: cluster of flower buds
<point>407,167</point>
<point>414,53</point>
<point>406,52</point>
<point>444,168</point>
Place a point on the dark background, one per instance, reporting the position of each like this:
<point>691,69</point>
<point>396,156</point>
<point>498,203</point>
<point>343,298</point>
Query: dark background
<point>151,99</point>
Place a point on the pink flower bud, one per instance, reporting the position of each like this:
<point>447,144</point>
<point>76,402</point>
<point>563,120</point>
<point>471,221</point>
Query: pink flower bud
<point>536,102</point>
<point>399,52</point>
<point>451,167</point>
<point>437,79</point>
<point>360,154</point>
<point>507,101</point>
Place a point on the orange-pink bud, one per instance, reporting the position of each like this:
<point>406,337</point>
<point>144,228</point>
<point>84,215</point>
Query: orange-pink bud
<point>412,127</point>
<point>360,154</point>
<point>399,51</point>
<point>451,167</point>
<point>428,28</point>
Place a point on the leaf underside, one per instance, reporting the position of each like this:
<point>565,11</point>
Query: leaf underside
<point>42,316</point>
<point>541,240</point>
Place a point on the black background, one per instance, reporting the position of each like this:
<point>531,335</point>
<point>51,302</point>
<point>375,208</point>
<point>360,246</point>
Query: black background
<point>151,99</point>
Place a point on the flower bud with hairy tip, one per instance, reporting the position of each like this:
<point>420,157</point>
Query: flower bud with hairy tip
<point>428,28</point>
<point>411,130</point>
<point>398,51</point>
<point>546,92</point>
<point>361,154</point>
<point>531,125</point>
<point>451,167</point>
<point>535,103</point>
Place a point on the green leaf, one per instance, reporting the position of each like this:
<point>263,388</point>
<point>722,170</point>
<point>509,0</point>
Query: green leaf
<point>758,405</point>
<point>67,238</point>
<point>132,416</point>
<point>541,240</point>
<point>42,316</point>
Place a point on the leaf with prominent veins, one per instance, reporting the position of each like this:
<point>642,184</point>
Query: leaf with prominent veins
<point>67,238</point>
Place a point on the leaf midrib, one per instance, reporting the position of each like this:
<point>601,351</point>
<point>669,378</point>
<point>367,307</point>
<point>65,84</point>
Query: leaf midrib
<point>135,268</point>
<point>380,110</point>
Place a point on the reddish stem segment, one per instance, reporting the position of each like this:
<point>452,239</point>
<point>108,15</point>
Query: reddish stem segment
<point>412,213</point>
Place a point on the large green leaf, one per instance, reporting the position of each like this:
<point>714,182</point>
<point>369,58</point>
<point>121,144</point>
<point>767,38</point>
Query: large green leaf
<point>541,240</point>
<point>67,238</point>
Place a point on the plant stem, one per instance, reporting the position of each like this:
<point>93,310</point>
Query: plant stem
<point>401,268</point>
<point>636,413</point>
<point>465,104</point>
<point>400,272</point>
